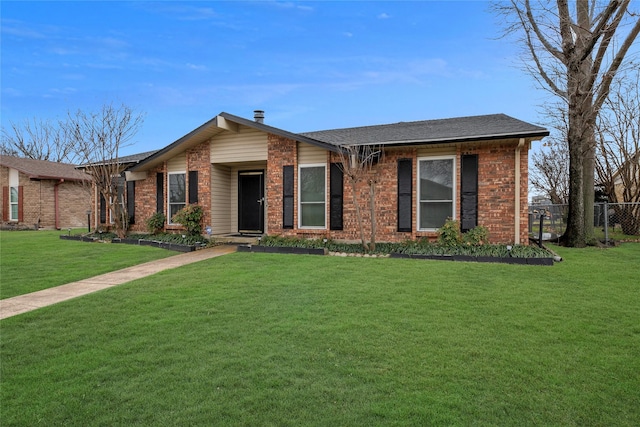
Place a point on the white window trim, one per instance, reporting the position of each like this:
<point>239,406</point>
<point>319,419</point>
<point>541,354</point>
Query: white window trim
<point>12,204</point>
<point>311,165</point>
<point>14,182</point>
<point>419,202</point>
<point>169,193</point>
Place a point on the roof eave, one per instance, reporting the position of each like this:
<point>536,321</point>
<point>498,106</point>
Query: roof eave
<point>280,132</point>
<point>175,147</point>
<point>204,132</point>
<point>534,136</point>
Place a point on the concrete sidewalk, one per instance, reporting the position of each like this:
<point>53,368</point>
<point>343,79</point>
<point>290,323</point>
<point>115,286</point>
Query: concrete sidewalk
<point>23,303</point>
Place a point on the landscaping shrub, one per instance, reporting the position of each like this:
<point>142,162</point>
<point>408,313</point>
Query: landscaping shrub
<point>476,236</point>
<point>449,233</point>
<point>155,223</point>
<point>190,217</point>
<point>411,247</point>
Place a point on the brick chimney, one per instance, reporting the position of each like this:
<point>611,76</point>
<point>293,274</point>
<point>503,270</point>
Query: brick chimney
<point>258,116</point>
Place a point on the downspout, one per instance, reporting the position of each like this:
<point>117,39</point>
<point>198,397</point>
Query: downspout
<point>57,203</point>
<point>517,190</point>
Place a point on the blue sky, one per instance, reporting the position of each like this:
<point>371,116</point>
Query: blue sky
<point>309,65</point>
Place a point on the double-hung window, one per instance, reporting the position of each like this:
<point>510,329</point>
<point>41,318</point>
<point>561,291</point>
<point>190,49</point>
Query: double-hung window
<point>13,202</point>
<point>312,190</point>
<point>14,195</point>
<point>436,189</point>
<point>177,193</point>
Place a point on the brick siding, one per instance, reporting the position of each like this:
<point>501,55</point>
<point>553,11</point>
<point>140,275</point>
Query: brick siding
<point>197,159</point>
<point>496,191</point>
<point>38,203</point>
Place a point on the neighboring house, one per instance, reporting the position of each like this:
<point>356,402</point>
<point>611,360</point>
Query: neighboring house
<point>254,178</point>
<point>43,194</point>
<point>626,181</point>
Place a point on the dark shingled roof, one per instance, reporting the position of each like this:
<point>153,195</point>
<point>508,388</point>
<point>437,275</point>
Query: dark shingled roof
<point>128,161</point>
<point>460,129</point>
<point>42,169</point>
<point>136,158</point>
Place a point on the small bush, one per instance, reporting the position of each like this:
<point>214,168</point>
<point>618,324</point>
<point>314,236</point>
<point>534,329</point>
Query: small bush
<point>449,233</point>
<point>190,217</point>
<point>155,223</point>
<point>421,247</point>
<point>476,236</point>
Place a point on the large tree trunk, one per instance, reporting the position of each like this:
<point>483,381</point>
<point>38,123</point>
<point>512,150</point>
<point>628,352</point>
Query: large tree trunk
<point>585,92</point>
<point>574,235</point>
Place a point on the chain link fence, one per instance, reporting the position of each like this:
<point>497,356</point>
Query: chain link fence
<point>617,221</point>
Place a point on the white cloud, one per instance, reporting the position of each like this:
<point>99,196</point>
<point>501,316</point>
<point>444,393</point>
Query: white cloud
<point>384,16</point>
<point>19,29</point>
<point>57,92</point>
<point>196,67</point>
<point>290,5</point>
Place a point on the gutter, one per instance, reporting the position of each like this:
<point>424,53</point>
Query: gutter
<point>457,139</point>
<point>518,176</point>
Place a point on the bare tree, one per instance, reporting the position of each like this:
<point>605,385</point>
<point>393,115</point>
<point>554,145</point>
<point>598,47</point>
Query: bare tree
<point>575,55</point>
<point>357,163</point>
<point>549,170</point>
<point>40,140</point>
<point>618,160</point>
<point>99,137</point>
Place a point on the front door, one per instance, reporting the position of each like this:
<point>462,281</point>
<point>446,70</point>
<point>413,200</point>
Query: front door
<point>251,202</point>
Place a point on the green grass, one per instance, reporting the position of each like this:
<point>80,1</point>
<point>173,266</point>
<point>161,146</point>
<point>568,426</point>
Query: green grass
<point>263,339</point>
<point>34,260</point>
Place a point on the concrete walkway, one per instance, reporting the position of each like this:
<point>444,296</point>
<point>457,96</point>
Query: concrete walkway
<point>24,303</point>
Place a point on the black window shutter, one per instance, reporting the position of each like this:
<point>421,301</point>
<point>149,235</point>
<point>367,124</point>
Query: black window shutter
<point>287,196</point>
<point>469,192</point>
<point>335,197</point>
<point>405,190</point>
<point>131,201</point>
<point>160,192</point>
<point>103,209</point>
<point>193,187</point>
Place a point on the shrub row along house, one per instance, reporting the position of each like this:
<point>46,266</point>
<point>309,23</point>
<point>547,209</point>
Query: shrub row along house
<point>257,179</point>
<point>43,194</point>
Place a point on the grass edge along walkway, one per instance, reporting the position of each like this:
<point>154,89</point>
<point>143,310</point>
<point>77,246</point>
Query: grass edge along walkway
<point>23,303</point>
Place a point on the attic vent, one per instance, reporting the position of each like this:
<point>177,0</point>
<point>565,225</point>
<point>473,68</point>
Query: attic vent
<point>258,116</point>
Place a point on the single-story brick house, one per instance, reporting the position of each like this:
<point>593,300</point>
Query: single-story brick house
<point>255,178</point>
<point>43,194</point>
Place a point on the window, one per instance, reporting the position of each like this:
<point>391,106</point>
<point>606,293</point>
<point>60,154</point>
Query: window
<point>312,184</point>
<point>177,193</point>
<point>436,188</point>
<point>13,207</point>
<point>13,202</point>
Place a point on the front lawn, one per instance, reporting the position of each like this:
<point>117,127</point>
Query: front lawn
<point>34,260</point>
<point>262,339</point>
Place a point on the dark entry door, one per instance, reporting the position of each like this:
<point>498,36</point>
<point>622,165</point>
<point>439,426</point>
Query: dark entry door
<point>251,202</point>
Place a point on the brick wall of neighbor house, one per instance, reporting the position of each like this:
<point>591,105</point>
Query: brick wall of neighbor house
<point>38,201</point>
<point>197,159</point>
<point>75,200</point>
<point>4,181</point>
<point>496,190</point>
